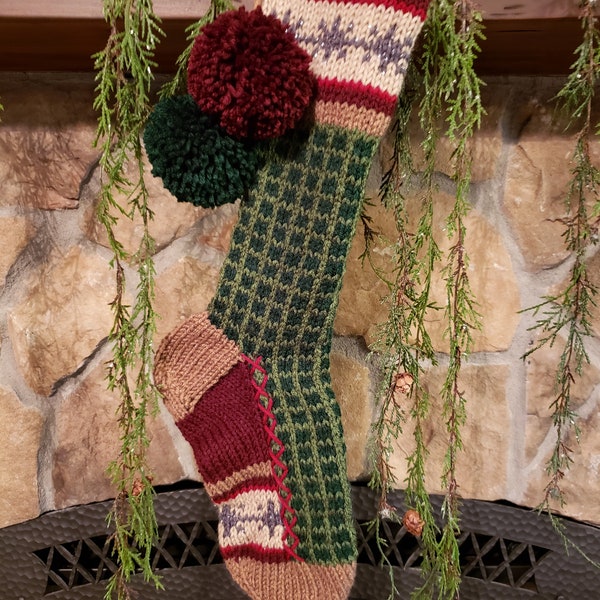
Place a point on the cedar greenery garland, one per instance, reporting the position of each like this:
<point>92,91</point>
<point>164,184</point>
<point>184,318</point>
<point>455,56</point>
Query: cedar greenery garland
<point>196,160</point>
<point>124,75</point>
<point>564,318</point>
<point>451,47</point>
<point>178,85</point>
<point>404,345</point>
<point>450,91</point>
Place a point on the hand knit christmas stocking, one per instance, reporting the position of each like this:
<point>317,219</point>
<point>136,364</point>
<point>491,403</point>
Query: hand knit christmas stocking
<point>266,432</point>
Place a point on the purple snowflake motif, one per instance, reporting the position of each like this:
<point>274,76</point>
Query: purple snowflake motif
<point>389,45</point>
<point>232,518</point>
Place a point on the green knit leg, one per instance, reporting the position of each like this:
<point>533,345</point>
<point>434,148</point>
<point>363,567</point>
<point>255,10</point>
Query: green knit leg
<point>277,299</point>
<point>288,532</point>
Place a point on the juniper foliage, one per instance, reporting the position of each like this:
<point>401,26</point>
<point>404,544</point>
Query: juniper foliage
<point>123,77</point>
<point>450,93</point>
<point>564,318</point>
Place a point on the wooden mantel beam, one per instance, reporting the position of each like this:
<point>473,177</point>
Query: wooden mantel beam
<point>183,9</point>
<point>92,9</point>
<point>533,37</point>
<point>528,9</point>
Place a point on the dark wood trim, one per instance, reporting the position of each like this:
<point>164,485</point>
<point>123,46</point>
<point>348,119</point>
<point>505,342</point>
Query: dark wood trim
<point>529,47</point>
<point>521,47</point>
<point>41,44</point>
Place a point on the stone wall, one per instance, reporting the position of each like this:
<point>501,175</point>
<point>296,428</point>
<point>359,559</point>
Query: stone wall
<point>57,420</point>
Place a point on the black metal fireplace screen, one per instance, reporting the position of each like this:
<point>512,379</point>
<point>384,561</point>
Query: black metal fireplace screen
<point>506,552</point>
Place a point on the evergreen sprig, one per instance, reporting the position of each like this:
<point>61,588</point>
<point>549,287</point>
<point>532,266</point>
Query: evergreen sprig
<point>124,77</point>
<point>564,318</point>
<point>451,91</point>
<point>178,85</point>
<point>403,342</point>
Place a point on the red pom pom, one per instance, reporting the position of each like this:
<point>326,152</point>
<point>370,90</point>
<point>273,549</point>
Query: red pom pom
<point>248,69</point>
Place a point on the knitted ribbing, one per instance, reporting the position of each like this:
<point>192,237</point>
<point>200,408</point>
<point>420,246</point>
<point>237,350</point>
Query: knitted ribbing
<point>360,52</point>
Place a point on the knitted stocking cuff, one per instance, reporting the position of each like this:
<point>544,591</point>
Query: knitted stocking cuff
<point>360,53</point>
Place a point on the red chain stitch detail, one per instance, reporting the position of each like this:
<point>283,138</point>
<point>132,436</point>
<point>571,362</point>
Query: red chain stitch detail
<point>278,467</point>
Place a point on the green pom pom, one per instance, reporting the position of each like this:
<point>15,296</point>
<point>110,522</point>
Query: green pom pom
<point>197,161</point>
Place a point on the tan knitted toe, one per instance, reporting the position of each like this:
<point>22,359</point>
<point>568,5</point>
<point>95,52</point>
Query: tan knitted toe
<point>190,360</point>
<point>292,580</point>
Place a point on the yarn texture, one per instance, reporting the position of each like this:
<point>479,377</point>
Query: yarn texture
<point>249,72</point>
<point>196,160</point>
<point>290,535</point>
<point>307,198</point>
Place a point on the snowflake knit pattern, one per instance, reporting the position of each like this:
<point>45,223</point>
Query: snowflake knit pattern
<point>266,431</point>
